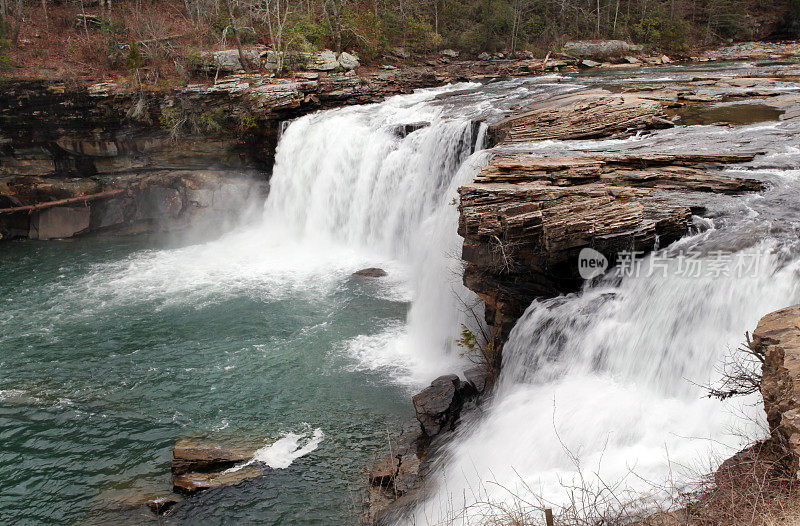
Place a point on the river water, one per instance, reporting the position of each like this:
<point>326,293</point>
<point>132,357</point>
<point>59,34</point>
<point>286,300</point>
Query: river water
<point>111,349</point>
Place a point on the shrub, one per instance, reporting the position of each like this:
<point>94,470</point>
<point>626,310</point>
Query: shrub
<point>134,59</point>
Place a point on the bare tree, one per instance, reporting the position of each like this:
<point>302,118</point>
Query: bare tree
<point>275,14</point>
<point>333,10</point>
<point>741,372</point>
<point>242,60</point>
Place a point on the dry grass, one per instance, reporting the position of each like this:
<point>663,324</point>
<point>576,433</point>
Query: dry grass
<point>54,47</point>
<point>752,488</point>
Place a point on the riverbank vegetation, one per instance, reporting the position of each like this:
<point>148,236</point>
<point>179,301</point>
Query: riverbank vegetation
<point>102,38</point>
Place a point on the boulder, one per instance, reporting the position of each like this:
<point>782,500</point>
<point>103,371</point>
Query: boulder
<point>439,405</point>
<point>348,61</point>
<point>484,56</point>
<point>597,49</point>
<point>630,59</point>
<point>227,60</point>
<point>451,53</point>
<point>401,52</point>
<point>479,376</point>
<point>325,60</point>
<point>371,272</point>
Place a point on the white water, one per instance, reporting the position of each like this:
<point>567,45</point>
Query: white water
<point>281,453</point>
<point>601,389</point>
<point>345,178</point>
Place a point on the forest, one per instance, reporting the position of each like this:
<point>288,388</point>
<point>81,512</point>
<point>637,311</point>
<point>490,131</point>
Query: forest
<point>99,37</point>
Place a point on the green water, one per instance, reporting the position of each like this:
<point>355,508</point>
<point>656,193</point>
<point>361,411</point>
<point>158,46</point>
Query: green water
<point>112,349</point>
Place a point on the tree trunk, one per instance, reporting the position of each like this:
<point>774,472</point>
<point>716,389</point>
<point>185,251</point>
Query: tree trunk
<point>18,24</point>
<point>598,18</point>
<point>242,59</point>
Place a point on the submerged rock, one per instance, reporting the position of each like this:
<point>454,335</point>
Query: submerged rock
<point>162,505</point>
<point>372,272</point>
<point>193,482</point>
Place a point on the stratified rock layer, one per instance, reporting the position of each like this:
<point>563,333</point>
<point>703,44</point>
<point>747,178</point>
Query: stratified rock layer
<point>524,220</point>
<point>777,339</point>
<point>197,466</point>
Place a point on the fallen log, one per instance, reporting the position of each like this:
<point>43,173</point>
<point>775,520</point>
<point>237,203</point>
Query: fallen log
<point>59,202</point>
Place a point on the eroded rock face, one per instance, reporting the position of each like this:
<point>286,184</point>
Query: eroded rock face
<point>777,337</point>
<point>398,477</point>
<point>524,220</point>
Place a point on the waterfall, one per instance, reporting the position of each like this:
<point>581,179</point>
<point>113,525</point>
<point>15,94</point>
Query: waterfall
<point>604,388</point>
<point>383,180</point>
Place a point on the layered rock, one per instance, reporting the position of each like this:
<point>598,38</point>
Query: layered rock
<point>524,220</point>
<point>197,466</point>
<point>777,340</point>
<point>583,114</point>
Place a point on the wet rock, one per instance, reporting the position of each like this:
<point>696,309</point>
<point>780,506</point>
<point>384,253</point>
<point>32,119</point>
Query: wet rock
<point>191,455</point>
<point>479,376</point>
<point>348,61</point>
<point>584,114</point>
<point>399,472</point>
<point>403,130</point>
<point>197,466</point>
<point>371,272</point>
<point>59,222</point>
<point>193,482</point>
<point>439,405</point>
<point>162,505</point>
<point>777,340</point>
